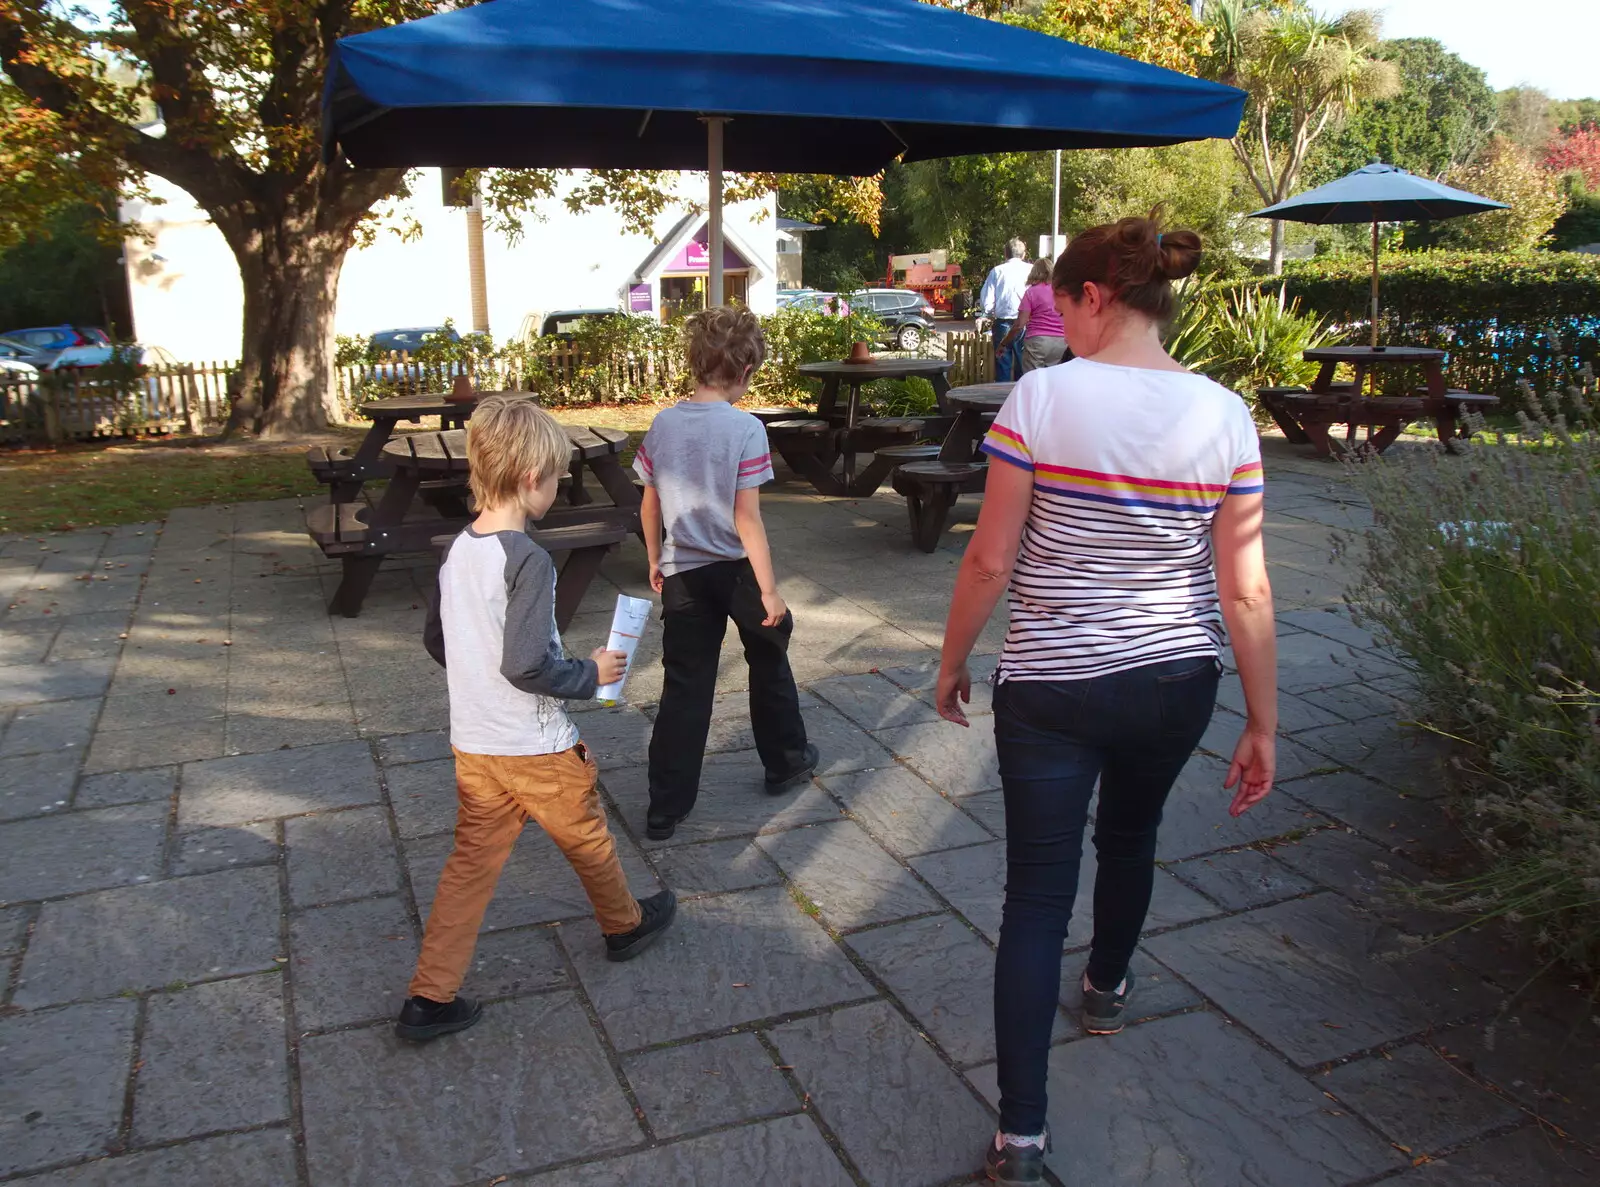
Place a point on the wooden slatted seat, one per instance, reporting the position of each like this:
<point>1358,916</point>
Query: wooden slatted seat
<point>776,412</point>
<point>931,489</point>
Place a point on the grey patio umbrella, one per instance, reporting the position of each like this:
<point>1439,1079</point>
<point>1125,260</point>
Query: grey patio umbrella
<point>1378,193</point>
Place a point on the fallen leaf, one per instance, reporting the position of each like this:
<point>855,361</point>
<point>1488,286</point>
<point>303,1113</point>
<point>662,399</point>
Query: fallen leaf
<point>741,985</point>
<point>172,692</point>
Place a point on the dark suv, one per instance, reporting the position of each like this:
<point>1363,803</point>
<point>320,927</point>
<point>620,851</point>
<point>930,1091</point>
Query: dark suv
<point>907,317</point>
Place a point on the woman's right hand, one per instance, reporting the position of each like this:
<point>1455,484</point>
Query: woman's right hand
<point>953,690</point>
<point>1255,762</point>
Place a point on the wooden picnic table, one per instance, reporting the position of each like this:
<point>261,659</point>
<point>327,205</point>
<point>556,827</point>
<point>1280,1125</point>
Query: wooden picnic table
<point>1306,417</point>
<point>362,537</point>
<point>345,472</point>
<point>975,407</point>
<point>847,435</point>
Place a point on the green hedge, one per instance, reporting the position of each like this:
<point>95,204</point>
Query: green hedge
<point>1503,318</point>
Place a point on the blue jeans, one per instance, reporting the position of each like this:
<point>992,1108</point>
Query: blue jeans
<point>1133,731</point>
<point>1007,362</point>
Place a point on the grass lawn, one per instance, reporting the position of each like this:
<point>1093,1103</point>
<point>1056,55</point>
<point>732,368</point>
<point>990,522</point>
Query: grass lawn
<point>96,485</point>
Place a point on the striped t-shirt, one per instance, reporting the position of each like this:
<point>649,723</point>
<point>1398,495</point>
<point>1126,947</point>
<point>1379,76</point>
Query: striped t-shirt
<point>1129,466</point>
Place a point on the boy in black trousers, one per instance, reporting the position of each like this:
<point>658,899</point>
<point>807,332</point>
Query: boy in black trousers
<point>702,463</point>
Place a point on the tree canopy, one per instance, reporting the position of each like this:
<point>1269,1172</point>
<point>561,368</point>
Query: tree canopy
<point>1441,117</point>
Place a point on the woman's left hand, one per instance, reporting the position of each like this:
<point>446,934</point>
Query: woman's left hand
<point>953,691</point>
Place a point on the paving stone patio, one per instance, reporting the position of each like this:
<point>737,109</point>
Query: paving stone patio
<point>222,814</point>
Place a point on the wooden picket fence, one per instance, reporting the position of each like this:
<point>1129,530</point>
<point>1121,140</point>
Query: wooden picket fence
<point>559,372</point>
<point>973,357</point>
<point>75,406</point>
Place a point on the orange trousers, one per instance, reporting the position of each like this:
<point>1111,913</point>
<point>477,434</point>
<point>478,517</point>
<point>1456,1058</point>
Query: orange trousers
<point>496,796</point>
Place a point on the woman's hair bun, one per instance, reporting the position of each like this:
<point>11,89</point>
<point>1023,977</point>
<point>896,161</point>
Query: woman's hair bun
<point>1179,253</point>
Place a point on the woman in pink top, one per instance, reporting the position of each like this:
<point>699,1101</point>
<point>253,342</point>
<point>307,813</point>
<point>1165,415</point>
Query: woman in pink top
<point>1044,342</point>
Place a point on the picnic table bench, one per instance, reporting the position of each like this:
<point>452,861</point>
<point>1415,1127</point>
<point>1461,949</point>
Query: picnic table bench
<point>932,485</point>
<point>361,536</point>
<point>1307,416</point>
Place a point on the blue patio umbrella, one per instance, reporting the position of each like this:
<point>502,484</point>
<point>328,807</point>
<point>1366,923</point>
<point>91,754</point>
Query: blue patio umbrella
<point>795,86</point>
<point>1378,193</point>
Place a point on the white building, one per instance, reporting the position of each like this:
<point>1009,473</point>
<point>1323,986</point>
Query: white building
<point>187,297</point>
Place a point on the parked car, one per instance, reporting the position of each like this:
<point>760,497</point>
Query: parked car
<point>89,357</point>
<point>907,316</point>
<point>48,341</point>
<point>17,371</point>
<point>787,297</point>
<point>562,323</point>
<point>15,351</point>
<point>409,339</point>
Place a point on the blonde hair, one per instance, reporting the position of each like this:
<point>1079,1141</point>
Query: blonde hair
<point>725,344</point>
<point>508,437</point>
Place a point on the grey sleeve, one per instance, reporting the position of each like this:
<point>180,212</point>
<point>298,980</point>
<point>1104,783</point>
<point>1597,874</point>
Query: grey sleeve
<point>433,624</point>
<point>531,658</point>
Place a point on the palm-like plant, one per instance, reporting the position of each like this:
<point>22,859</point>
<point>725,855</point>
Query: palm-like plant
<point>1302,71</point>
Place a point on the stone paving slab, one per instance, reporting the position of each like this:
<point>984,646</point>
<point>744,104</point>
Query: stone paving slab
<point>264,1158</point>
<point>350,962</point>
<point>35,783</point>
<point>903,1116</point>
<point>1259,1123</point>
<point>211,1059</point>
<point>145,937</point>
<point>62,1100</point>
<point>1552,1068</point>
<point>697,1086</point>
<point>1527,1156</point>
<point>1418,1100</point>
<point>848,878</point>
<point>1307,977</point>
<point>1241,879</point>
<point>903,812</point>
<point>279,783</point>
<point>746,1155</point>
<point>529,1085</point>
<point>126,787</point>
<point>340,855</point>
<point>714,867</point>
<point>78,851</point>
<point>728,960</point>
<point>956,761</point>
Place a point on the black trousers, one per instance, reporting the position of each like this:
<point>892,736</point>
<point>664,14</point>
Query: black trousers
<point>696,607</point>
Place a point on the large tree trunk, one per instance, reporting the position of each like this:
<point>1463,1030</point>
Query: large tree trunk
<point>285,383</point>
<point>1275,253</point>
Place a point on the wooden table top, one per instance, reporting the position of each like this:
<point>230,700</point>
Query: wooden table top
<point>422,404</point>
<point>446,452</point>
<point>985,396</point>
<point>1372,354</point>
<point>877,368</point>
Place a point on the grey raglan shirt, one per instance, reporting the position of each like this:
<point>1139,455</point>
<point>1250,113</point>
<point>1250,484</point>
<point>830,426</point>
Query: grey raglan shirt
<point>494,620</point>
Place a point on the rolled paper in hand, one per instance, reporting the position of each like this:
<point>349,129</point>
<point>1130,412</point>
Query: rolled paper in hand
<point>627,628</point>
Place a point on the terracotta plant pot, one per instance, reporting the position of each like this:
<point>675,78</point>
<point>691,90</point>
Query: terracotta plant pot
<point>462,391</point>
<point>860,352</point>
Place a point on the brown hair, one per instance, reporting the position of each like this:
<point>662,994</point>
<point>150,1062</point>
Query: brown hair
<point>723,344</point>
<point>508,437</point>
<point>1040,272</point>
<point>1133,260</point>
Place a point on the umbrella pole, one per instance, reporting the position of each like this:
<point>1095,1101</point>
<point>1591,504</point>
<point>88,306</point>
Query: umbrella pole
<point>714,124</point>
<point>1374,282</point>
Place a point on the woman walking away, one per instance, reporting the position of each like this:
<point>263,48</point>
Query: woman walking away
<point>1124,509</point>
<point>1043,343</point>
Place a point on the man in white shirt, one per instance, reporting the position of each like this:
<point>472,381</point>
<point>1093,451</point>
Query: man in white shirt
<point>1000,297</point>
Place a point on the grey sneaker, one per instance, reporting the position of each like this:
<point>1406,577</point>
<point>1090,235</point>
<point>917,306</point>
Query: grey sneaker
<point>1103,1009</point>
<point>1011,1160</point>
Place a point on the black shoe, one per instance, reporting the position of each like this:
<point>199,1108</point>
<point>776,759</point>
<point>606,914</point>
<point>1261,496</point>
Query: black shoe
<point>777,785</point>
<point>1103,1009</point>
<point>658,826</point>
<point>655,913</point>
<point>1012,1164</point>
<point>421,1019</point>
